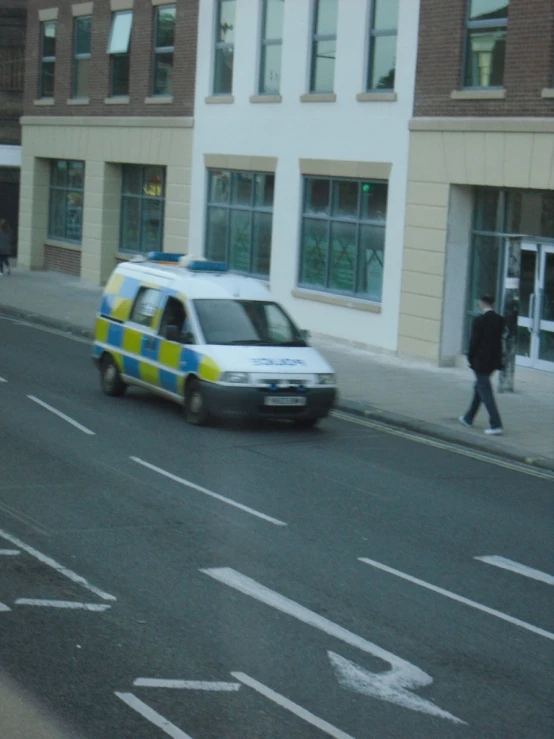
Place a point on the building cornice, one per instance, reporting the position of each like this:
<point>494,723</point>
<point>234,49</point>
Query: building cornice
<point>108,121</point>
<point>484,125</point>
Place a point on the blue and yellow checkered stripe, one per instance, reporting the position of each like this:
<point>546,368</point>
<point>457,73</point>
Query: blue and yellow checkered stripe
<point>142,355</point>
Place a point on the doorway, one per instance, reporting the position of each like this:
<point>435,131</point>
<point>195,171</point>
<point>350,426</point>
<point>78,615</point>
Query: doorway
<point>535,332</point>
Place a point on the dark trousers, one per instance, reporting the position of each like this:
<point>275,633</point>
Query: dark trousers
<point>482,393</point>
<point>4,262</point>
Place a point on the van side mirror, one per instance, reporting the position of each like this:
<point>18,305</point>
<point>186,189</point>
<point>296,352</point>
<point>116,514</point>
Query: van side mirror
<point>305,334</point>
<point>187,337</point>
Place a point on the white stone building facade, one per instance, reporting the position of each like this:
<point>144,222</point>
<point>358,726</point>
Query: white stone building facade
<point>300,154</point>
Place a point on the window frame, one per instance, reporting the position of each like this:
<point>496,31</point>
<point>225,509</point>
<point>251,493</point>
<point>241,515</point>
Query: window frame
<point>316,38</point>
<point>119,55</point>
<point>329,219</point>
<point>79,57</point>
<point>47,59</point>
<point>65,189</point>
<point>470,26</point>
<point>230,207</point>
<point>162,49</point>
<point>142,197</point>
<point>265,42</point>
<point>220,46</point>
<point>375,33</point>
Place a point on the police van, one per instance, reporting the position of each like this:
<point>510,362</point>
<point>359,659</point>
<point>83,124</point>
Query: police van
<point>216,342</point>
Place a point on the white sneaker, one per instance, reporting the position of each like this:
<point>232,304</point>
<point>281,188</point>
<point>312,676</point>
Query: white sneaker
<point>463,421</point>
<point>495,432</point>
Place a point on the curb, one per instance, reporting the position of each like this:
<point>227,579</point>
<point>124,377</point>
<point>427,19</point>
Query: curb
<point>394,420</point>
<point>54,323</point>
<point>435,431</point>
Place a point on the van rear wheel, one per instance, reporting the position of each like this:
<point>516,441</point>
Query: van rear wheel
<point>196,407</point>
<point>110,379</point>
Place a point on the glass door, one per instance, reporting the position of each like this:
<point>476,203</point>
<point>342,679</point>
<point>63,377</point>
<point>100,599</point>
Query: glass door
<point>545,310</point>
<point>535,332</point>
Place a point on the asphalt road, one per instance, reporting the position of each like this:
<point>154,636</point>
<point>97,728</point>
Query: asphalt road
<point>136,551</point>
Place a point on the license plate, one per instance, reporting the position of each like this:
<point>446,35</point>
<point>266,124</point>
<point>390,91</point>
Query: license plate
<point>285,400</point>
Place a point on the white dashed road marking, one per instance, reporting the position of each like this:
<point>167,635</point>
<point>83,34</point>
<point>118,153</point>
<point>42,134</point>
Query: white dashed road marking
<point>207,492</point>
<point>153,716</point>
<point>71,604</point>
<point>509,564</point>
<point>61,415</point>
<point>56,566</point>
<point>459,598</point>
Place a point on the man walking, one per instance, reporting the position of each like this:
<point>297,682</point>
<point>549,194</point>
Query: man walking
<point>485,356</point>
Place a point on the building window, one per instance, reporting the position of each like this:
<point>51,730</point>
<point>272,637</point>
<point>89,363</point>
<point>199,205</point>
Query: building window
<point>239,220</point>
<point>486,43</point>
<point>382,47</point>
<point>118,49</point>
<point>65,221</point>
<point>224,47</point>
<point>47,59</point>
<point>164,46</point>
<point>324,46</point>
<point>343,236</point>
<point>272,42</point>
<point>142,208</point>
<point>82,57</point>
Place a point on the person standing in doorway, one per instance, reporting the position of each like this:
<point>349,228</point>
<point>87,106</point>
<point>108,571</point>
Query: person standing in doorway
<point>5,246</point>
<point>485,357</point>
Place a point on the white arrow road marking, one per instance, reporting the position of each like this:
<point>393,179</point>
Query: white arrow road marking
<point>61,415</point>
<point>151,682</point>
<point>388,687</point>
<point>280,700</point>
<point>4,607</point>
<point>9,552</point>
<point>403,673</point>
<point>459,598</point>
<point>509,564</point>
<point>153,716</point>
<point>205,491</point>
<point>2,379</point>
<point>56,566</point>
<point>71,604</point>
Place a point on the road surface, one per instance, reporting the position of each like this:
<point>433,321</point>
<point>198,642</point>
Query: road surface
<point>242,582</point>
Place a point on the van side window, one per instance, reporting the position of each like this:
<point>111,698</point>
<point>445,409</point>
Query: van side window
<point>174,316</point>
<point>144,309</point>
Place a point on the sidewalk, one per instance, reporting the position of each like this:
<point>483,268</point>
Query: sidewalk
<point>404,393</point>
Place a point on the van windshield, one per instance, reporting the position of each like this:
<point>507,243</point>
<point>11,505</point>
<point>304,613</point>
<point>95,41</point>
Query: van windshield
<point>246,323</point>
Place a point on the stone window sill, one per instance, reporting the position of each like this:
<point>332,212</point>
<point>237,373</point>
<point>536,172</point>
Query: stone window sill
<point>78,101</point>
<point>377,97</point>
<point>44,101</point>
<point>548,92</point>
<point>337,300</point>
<point>266,99</point>
<point>478,94</point>
<point>159,100</point>
<point>219,99</point>
<point>123,100</point>
<point>62,244</point>
<point>318,97</point>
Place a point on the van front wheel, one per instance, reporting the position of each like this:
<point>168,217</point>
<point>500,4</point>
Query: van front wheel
<point>196,408</point>
<point>110,379</point>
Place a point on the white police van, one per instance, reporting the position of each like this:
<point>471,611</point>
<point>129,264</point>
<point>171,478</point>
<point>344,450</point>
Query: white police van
<point>216,342</point>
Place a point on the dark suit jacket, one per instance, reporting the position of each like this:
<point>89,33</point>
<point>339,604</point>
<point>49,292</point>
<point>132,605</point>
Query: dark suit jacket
<point>485,345</point>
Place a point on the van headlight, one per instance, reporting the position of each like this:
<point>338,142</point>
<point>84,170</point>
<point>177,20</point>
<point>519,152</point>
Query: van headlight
<point>240,378</point>
<point>326,378</point>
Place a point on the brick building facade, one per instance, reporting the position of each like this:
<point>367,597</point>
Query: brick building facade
<point>12,63</point>
<point>481,169</point>
<point>107,132</point>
